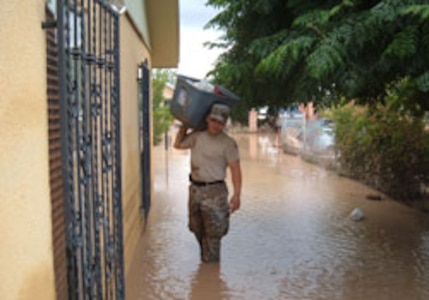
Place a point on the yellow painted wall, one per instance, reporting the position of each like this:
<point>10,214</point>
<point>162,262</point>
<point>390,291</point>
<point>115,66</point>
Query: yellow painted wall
<point>133,53</point>
<point>26,260</point>
<point>26,254</point>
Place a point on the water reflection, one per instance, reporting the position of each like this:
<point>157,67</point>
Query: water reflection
<point>261,148</point>
<point>253,146</point>
<point>292,238</point>
<point>208,284</point>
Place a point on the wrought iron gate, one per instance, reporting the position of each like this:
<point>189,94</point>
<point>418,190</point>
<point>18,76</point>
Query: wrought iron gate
<point>88,41</point>
<point>144,116</point>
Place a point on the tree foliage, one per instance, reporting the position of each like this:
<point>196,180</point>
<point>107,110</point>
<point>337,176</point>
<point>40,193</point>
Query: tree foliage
<point>283,51</point>
<point>162,117</point>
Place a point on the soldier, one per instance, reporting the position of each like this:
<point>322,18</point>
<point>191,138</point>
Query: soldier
<point>212,152</point>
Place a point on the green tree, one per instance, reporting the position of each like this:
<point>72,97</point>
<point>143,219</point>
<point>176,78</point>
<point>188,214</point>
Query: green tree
<point>372,51</point>
<point>282,51</point>
<point>162,117</point>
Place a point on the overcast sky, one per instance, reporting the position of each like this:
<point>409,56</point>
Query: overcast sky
<point>195,59</point>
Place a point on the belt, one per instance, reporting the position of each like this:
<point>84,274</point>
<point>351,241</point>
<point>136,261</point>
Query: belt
<point>202,183</point>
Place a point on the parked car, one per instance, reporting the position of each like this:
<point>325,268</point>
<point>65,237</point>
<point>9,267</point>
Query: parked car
<point>313,140</point>
<point>319,142</point>
<point>292,133</point>
<point>319,136</point>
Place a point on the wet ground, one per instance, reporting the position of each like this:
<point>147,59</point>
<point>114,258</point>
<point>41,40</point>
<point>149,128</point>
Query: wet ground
<point>291,239</point>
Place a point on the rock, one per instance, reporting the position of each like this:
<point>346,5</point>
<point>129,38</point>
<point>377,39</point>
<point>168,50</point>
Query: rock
<point>357,214</point>
<point>374,197</point>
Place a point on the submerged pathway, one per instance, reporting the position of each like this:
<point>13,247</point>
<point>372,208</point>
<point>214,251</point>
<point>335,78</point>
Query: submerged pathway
<point>291,239</point>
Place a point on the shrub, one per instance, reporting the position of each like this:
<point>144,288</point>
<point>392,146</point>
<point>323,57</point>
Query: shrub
<point>384,148</point>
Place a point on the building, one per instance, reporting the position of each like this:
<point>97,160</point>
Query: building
<point>74,150</point>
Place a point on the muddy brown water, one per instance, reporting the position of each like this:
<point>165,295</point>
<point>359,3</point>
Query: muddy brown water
<point>291,239</point>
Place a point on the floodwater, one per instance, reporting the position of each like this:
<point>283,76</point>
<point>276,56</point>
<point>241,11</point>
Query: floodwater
<point>291,239</point>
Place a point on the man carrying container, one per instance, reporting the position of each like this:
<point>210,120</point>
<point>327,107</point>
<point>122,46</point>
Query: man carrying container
<point>212,152</point>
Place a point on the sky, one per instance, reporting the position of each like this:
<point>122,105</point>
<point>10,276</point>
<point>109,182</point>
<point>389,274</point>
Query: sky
<point>195,60</point>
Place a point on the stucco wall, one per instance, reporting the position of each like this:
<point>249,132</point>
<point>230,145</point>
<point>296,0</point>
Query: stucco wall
<point>136,10</point>
<point>25,212</point>
<point>133,53</point>
<point>25,207</point>
<point>168,91</point>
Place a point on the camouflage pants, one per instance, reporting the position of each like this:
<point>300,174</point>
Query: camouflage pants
<point>209,218</point>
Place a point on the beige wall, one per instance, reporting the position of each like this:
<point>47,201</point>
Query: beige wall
<point>168,92</point>
<point>136,11</point>
<point>133,53</point>
<point>25,212</point>
<point>26,254</point>
<point>164,29</point>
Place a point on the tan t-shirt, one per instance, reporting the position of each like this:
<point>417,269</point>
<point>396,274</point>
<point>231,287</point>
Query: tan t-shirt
<point>210,155</point>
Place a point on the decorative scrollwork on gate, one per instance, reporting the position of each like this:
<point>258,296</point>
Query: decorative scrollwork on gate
<point>88,41</point>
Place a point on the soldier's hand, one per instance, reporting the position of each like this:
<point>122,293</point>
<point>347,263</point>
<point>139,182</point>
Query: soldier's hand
<point>234,203</point>
<point>183,128</point>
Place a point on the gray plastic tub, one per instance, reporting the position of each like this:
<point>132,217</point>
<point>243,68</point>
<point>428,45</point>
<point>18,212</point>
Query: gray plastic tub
<point>191,103</point>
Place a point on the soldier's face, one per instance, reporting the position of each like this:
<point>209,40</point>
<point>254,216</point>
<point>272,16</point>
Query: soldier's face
<point>214,126</point>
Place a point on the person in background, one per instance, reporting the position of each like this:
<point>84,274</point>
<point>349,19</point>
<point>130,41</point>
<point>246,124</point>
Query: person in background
<point>212,153</point>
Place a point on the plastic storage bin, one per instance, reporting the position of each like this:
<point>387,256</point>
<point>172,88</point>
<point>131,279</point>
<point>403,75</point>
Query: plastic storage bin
<point>193,99</point>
